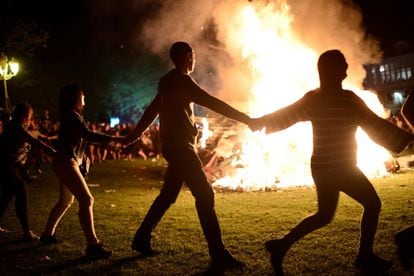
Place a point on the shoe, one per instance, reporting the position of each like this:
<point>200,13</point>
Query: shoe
<point>142,246</point>
<point>48,239</point>
<point>3,230</point>
<point>30,237</point>
<point>224,261</point>
<point>405,243</point>
<point>97,251</point>
<point>372,263</point>
<point>277,249</point>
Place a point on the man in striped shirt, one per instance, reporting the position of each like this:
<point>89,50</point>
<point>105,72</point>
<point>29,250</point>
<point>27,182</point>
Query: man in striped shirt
<point>335,115</point>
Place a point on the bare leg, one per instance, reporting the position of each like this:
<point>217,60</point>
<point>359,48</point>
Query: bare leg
<point>70,176</point>
<point>65,201</point>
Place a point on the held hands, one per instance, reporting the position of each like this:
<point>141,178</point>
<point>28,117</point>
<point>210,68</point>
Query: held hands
<point>256,123</point>
<point>125,141</point>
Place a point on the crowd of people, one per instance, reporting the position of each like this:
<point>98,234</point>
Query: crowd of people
<point>335,114</point>
<point>45,128</point>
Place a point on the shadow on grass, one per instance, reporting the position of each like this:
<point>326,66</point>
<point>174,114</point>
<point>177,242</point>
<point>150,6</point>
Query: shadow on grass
<point>8,243</point>
<point>110,265</point>
<point>18,245</point>
<point>117,264</point>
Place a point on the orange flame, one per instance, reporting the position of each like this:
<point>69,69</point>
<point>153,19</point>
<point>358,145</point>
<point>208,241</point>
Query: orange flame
<point>284,69</point>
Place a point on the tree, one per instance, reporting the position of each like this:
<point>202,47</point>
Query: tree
<point>133,88</point>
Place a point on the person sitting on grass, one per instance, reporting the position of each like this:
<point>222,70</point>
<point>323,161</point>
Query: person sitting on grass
<point>335,114</point>
<point>173,104</point>
<point>15,145</point>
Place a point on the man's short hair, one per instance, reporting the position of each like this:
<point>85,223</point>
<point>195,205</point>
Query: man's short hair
<point>330,60</point>
<point>178,51</point>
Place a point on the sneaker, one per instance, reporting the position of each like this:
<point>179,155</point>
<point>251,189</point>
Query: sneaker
<point>277,249</point>
<point>30,237</point>
<point>97,251</point>
<point>48,239</point>
<point>3,230</point>
<point>405,244</point>
<point>371,262</point>
<point>142,246</point>
<point>225,261</point>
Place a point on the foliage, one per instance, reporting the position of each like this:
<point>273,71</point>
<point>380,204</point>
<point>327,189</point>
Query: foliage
<point>127,189</point>
<point>24,38</point>
<point>133,87</point>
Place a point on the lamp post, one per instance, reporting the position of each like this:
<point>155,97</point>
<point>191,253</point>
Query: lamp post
<point>8,69</point>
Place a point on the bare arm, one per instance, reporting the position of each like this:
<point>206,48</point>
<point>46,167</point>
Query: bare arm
<point>37,143</point>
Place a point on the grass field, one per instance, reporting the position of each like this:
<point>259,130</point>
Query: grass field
<point>124,190</point>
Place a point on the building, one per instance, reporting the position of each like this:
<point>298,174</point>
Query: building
<point>392,79</point>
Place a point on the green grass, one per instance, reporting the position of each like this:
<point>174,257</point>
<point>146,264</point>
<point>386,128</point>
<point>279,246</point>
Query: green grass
<point>127,189</point>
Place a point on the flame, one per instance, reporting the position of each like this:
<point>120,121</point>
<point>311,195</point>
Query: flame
<point>284,69</point>
<point>205,133</point>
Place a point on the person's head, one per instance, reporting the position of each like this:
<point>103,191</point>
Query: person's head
<point>183,56</point>
<point>71,98</point>
<point>23,113</point>
<point>332,67</point>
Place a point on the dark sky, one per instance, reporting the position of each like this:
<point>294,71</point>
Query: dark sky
<point>388,20</point>
<point>89,38</point>
<point>111,25</point>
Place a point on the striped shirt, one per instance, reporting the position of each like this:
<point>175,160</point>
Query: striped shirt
<point>335,118</point>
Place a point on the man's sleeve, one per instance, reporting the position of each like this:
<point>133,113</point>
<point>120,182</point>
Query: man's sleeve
<point>90,136</point>
<point>286,117</point>
<point>201,97</point>
<point>149,115</point>
<point>382,131</point>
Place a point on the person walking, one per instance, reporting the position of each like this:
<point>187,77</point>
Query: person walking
<point>72,137</point>
<point>335,114</point>
<point>173,104</point>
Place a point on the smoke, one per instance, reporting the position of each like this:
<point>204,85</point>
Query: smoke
<point>211,28</point>
<point>336,24</point>
<point>208,25</point>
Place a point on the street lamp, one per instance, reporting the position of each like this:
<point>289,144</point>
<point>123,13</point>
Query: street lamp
<point>8,69</point>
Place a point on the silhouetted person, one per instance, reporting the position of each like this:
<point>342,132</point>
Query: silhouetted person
<point>335,114</point>
<point>405,238</point>
<point>72,137</point>
<point>15,145</point>
<point>173,104</point>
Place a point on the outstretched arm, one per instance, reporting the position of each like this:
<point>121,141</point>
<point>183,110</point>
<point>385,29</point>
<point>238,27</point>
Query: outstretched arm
<point>147,118</point>
<point>281,119</point>
<point>384,132</point>
<point>37,143</point>
<point>96,137</point>
<point>217,105</point>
